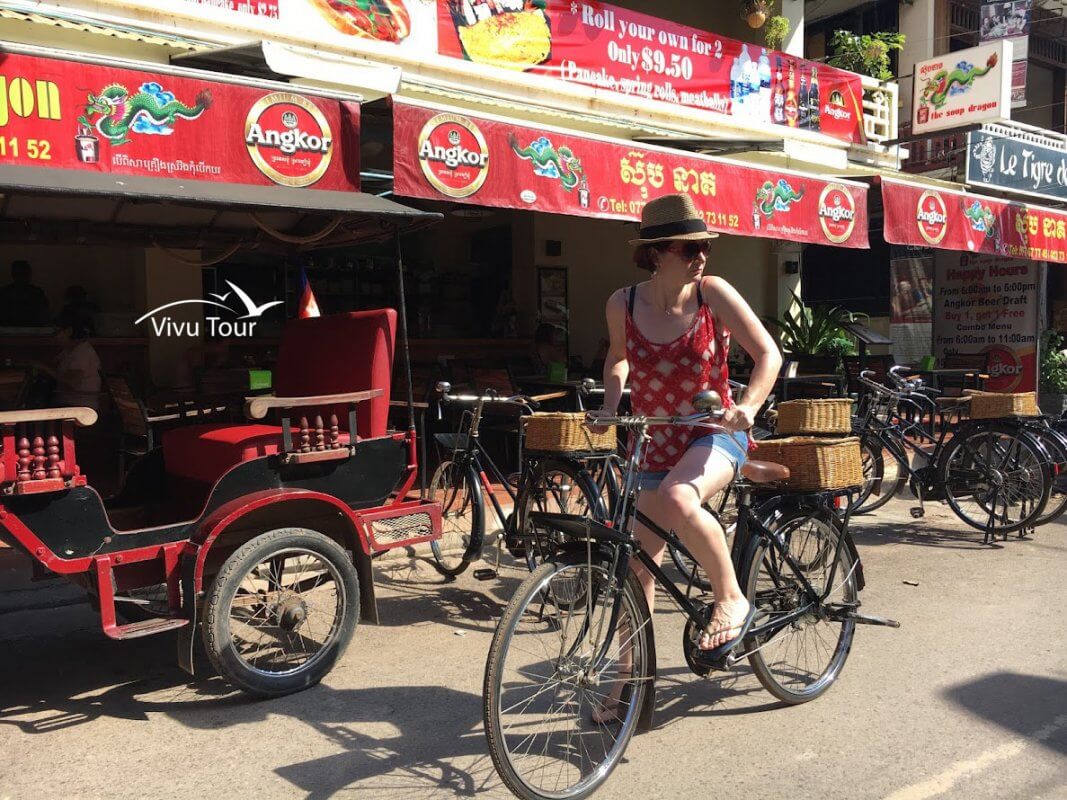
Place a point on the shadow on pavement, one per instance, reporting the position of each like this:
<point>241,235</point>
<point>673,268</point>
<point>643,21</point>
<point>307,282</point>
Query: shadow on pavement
<point>1034,706</point>
<point>401,740</point>
<point>869,531</point>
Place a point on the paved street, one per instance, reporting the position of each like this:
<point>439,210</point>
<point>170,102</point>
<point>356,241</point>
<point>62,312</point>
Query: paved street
<point>968,699</point>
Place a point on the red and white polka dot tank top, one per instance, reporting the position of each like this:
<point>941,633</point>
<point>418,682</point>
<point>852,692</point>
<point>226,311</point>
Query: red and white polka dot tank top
<point>664,377</point>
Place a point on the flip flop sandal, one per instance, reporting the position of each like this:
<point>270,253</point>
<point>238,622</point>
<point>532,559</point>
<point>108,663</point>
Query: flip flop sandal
<point>724,649</point>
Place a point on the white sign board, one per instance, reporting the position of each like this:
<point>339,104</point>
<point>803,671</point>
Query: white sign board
<point>963,88</point>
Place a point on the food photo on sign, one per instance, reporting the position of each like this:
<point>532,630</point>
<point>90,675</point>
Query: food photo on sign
<point>625,52</point>
<point>408,24</point>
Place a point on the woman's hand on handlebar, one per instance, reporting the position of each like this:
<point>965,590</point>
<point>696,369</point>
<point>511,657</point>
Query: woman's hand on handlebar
<point>592,416</point>
<point>739,417</point>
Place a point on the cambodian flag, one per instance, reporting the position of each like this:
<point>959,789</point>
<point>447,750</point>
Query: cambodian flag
<point>308,306</point>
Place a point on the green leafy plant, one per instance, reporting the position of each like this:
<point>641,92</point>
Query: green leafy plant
<point>815,330</point>
<point>1053,363</point>
<point>867,54</point>
<point>775,32</point>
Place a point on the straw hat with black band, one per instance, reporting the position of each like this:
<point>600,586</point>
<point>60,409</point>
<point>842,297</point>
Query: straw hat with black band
<point>673,217</point>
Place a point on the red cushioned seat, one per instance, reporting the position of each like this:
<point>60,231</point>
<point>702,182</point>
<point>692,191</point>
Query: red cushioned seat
<point>320,355</point>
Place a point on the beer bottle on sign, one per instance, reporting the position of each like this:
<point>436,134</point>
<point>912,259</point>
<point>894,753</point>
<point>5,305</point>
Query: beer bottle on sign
<point>791,97</point>
<point>815,114</point>
<point>778,97</point>
<point>802,103</point>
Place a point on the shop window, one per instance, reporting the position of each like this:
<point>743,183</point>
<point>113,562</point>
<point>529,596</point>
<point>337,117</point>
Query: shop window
<point>854,279</point>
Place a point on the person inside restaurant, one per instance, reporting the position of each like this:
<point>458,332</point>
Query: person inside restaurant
<point>21,302</point>
<point>76,371</point>
<point>77,305</point>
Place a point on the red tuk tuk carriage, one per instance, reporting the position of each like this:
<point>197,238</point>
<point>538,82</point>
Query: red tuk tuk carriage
<point>262,533</point>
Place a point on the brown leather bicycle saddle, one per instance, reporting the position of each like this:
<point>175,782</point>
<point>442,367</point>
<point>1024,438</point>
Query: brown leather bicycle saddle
<point>764,472</point>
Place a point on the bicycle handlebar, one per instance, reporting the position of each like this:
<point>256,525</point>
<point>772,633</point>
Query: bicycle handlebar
<point>698,419</point>
<point>488,396</point>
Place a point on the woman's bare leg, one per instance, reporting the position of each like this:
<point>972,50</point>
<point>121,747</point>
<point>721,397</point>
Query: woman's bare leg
<point>700,474</point>
<point>649,504</point>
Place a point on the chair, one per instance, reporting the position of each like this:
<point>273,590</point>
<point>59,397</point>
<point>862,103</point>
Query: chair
<point>815,365</point>
<point>14,386</point>
<point>139,426</point>
<point>979,362</point>
<point>879,365</point>
<point>334,354</point>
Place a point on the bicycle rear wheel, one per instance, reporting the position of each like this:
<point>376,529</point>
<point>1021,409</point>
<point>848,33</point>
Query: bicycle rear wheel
<point>456,488</point>
<point>551,668</point>
<point>801,660</point>
<point>996,478</point>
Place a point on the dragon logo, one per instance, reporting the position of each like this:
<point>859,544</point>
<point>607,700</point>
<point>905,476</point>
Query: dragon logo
<point>945,83</point>
<point>985,153</point>
<point>151,110</point>
<point>772,197</point>
<point>549,162</point>
<point>981,218</point>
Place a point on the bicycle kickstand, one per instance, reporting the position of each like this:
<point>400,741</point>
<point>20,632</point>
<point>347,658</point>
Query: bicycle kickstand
<point>489,573</point>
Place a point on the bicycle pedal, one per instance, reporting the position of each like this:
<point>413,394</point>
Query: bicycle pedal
<point>484,574</point>
<point>918,512</point>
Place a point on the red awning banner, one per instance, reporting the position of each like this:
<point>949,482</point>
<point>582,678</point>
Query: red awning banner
<point>64,114</point>
<point>442,154</point>
<point>926,216</point>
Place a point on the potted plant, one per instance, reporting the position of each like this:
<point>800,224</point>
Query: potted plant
<point>755,12</point>
<point>867,54</point>
<point>775,32</point>
<point>815,331</point>
<point>1053,369</point>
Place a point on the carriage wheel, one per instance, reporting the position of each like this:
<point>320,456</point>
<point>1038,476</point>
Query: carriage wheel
<point>281,611</point>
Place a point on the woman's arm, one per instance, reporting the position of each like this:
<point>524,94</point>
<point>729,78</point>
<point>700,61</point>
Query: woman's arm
<point>731,310</point>
<point>616,367</point>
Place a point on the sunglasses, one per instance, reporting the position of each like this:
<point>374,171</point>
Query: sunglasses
<point>690,250</point>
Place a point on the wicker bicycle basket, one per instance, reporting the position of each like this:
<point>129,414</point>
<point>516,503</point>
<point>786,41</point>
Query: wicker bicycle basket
<point>561,432</point>
<point>814,463</point>
<point>995,405</point>
<point>814,416</point>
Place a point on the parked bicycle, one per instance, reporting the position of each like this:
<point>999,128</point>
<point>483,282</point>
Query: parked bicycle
<point>461,485</point>
<point>576,640</point>
<point>995,475</point>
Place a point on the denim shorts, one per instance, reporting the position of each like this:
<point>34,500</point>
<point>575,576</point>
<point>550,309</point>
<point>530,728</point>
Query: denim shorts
<point>734,446</point>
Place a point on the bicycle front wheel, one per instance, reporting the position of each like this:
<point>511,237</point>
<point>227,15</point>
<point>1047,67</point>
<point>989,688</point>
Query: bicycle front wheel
<point>800,660</point>
<point>562,694</point>
<point>874,474</point>
<point>996,477</point>
<point>456,488</point>
<point>1055,444</point>
<point>557,486</point>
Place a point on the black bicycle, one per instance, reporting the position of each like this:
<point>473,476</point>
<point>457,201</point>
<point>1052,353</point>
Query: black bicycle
<point>995,475</point>
<point>571,670</point>
<point>461,485</point>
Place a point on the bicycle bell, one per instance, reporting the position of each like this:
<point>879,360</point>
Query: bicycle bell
<point>708,400</point>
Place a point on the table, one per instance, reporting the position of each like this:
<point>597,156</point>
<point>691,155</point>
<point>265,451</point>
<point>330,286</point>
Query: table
<point>935,375</point>
<point>783,383</point>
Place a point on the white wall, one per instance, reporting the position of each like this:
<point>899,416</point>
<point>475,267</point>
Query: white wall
<point>599,261</point>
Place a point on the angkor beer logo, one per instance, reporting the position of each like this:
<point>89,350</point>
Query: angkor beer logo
<point>837,213</point>
<point>454,155</point>
<point>1005,367</point>
<point>242,323</point>
<point>289,139</point>
<point>932,217</point>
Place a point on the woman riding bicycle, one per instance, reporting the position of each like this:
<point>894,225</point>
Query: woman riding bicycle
<point>670,335</point>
